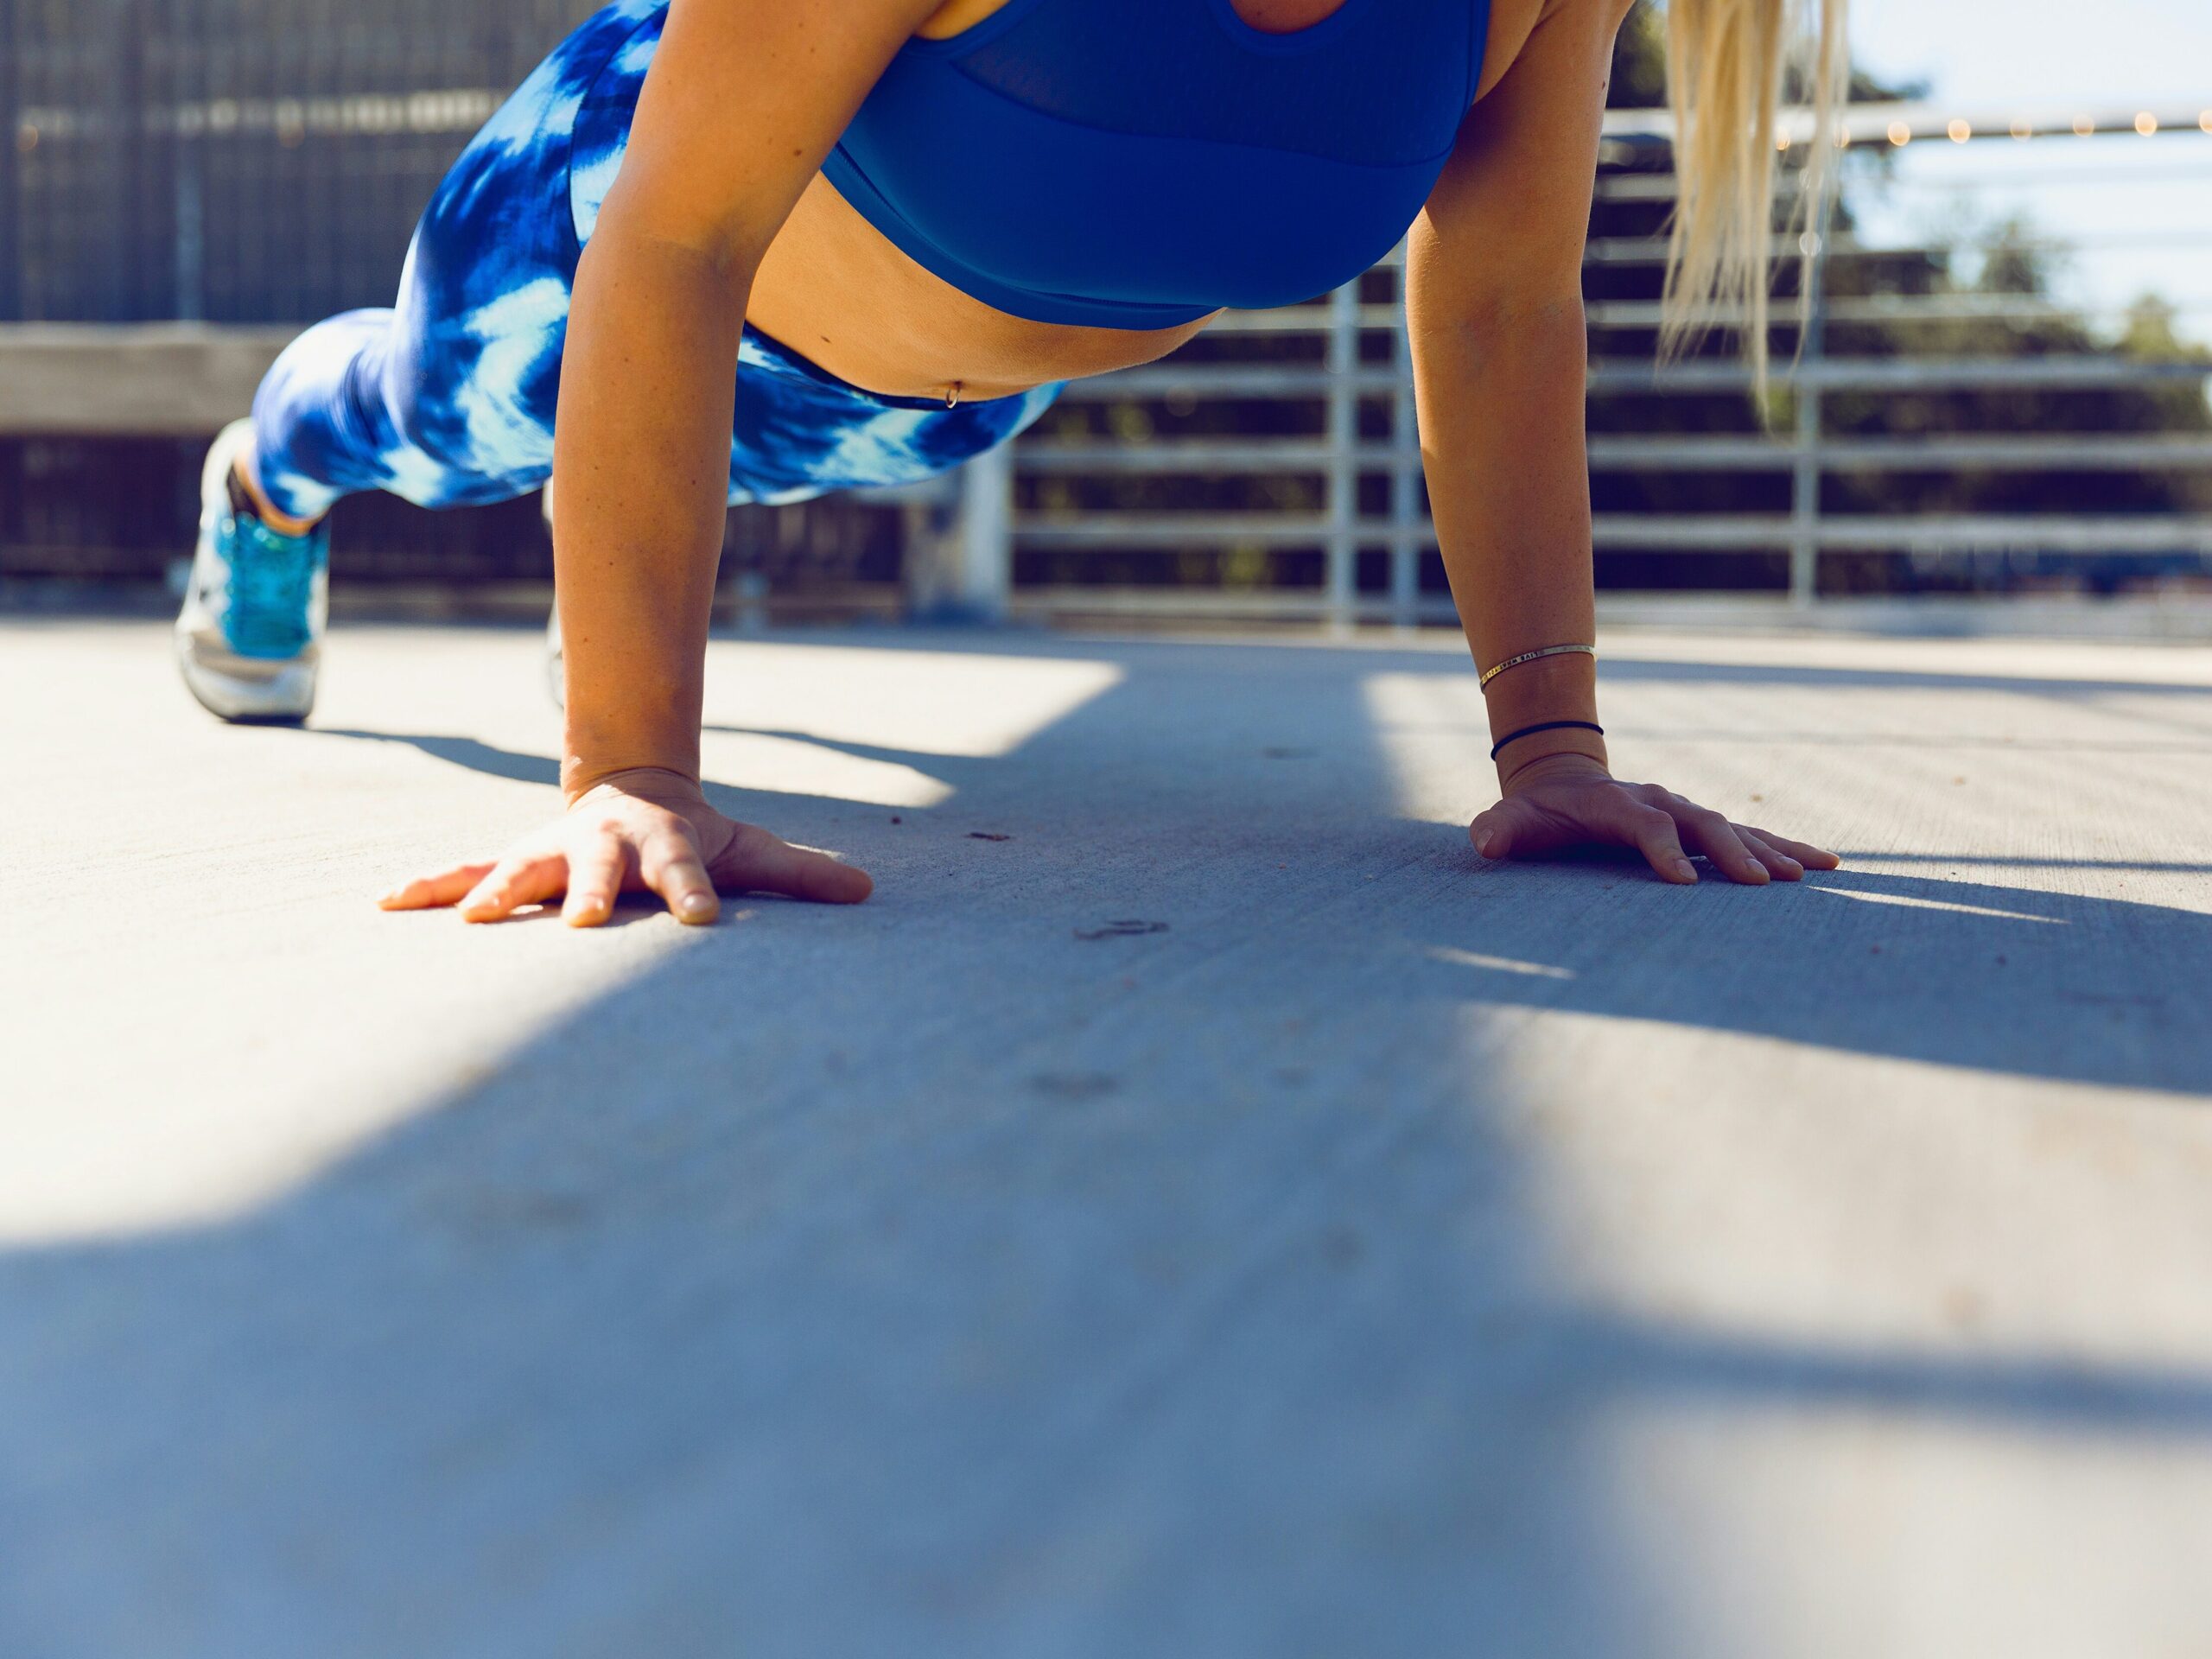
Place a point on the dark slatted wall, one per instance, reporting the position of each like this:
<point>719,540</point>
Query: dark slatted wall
<point>265,161</point>
<point>236,161</point>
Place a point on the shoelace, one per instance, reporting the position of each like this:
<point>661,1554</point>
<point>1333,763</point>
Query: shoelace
<point>271,578</point>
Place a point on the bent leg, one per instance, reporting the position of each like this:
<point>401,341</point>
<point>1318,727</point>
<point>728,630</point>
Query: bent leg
<point>446,400</point>
<point>324,427</point>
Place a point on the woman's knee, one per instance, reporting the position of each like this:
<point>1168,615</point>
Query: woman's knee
<point>313,441</point>
<point>472,396</point>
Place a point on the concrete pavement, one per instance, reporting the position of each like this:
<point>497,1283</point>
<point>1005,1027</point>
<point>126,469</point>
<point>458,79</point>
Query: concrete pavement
<point>1384,1254</point>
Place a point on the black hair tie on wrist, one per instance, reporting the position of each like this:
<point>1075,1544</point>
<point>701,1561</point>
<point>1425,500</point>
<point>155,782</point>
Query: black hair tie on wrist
<point>1544,726</point>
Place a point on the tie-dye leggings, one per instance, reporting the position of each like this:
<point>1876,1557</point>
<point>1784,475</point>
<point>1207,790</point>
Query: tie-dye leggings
<point>447,398</point>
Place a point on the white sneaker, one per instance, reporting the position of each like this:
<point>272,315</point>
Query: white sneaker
<point>249,639</point>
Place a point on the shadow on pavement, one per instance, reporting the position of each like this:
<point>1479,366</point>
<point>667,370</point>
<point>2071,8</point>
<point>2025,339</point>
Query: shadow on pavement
<point>936,1278</point>
<point>1630,670</point>
<point>461,751</point>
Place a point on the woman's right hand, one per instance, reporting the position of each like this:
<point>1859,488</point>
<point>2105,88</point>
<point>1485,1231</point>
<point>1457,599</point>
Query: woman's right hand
<point>642,831</point>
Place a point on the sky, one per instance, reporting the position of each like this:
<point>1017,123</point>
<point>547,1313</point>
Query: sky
<point>2139,210</point>
<point>2042,53</point>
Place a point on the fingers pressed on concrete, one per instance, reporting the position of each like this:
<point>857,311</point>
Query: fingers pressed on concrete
<point>767,864</point>
<point>670,865</point>
<point>595,877</point>
<point>430,892</point>
<point>516,882</point>
<point>1655,837</point>
<point>1779,864</point>
<point>1716,838</point>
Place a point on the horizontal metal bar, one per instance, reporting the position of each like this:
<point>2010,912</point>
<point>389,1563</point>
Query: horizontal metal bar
<point>2087,454</point>
<point>2167,617</point>
<point>1198,455</point>
<point>1203,529</point>
<point>1313,319</point>
<point>2027,451</point>
<point>1307,319</point>
<point>1882,308</point>
<point>1662,186</point>
<point>1633,452</point>
<point>1924,119</point>
<point>1261,604</point>
<point>1220,380</point>
<point>2054,533</point>
<point>1652,250</point>
<point>1192,455</point>
<point>1637,375</point>
<point>1900,373</point>
<point>1705,533</point>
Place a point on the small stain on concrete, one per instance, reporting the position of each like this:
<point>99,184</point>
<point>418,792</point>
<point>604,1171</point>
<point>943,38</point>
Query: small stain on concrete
<point>1123,930</point>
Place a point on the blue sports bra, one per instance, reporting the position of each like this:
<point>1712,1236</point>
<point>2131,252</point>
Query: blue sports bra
<point>1139,163</point>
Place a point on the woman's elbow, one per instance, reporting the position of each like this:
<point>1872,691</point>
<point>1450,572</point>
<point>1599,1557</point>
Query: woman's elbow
<point>1486,309</point>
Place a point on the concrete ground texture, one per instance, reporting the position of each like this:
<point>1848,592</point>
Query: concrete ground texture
<point>1196,1208</point>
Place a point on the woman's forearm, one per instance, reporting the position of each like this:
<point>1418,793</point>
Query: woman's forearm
<point>1500,398</point>
<point>641,479</point>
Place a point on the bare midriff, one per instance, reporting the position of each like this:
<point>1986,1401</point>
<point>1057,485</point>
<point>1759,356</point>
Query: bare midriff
<point>832,288</point>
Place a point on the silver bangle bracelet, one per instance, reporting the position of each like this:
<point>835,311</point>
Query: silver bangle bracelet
<point>1496,668</point>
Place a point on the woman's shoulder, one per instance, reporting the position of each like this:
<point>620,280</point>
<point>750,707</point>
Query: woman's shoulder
<point>1513,23</point>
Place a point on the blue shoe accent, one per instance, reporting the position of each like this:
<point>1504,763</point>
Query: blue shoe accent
<point>249,639</point>
<point>268,586</point>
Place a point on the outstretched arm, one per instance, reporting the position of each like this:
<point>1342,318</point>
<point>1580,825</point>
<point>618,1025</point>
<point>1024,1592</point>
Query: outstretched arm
<point>1494,315</point>
<point>744,99</point>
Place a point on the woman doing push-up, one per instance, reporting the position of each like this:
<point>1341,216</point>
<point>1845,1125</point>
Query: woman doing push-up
<point>720,250</point>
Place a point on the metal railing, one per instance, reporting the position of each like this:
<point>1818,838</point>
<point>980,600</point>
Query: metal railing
<point>142,142</point>
<point>1005,530</point>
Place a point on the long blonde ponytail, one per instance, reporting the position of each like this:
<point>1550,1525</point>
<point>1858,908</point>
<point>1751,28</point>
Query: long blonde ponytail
<point>1725,64</point>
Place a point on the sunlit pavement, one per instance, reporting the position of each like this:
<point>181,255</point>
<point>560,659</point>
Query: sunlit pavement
<point>1196,1207</point>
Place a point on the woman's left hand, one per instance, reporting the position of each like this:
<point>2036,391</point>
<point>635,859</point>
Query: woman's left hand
<point>1569,800</point>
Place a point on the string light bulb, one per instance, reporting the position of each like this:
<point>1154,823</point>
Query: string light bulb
<point>1960,129</point>
<point>2146,124</point>
<point>1901,135</point>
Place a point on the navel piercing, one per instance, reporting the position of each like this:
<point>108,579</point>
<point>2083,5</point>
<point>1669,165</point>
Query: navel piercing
<point>952,394</point>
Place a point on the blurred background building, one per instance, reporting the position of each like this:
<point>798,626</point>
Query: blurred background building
<point>183,182</point>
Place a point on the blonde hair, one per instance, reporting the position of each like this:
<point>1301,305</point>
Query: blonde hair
<point>1726,60</point>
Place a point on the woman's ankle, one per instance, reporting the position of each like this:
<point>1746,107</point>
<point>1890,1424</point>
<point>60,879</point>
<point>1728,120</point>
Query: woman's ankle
<point>264,509</point>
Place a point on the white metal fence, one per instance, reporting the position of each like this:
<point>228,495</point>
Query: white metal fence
<point>977,563</point>
<point>1318,510</point>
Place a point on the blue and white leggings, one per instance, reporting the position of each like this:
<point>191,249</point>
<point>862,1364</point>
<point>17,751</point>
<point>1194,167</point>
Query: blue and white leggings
<point>448,397</point>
